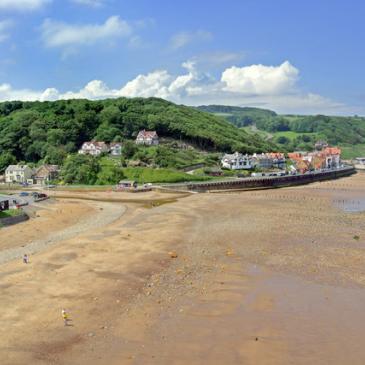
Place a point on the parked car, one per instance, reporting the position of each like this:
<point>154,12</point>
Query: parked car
<point>24,193</point>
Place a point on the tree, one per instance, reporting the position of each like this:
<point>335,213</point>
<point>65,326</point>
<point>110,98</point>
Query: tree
<point>6,159</point>
<point>80,169</point>
<point>129,149</point>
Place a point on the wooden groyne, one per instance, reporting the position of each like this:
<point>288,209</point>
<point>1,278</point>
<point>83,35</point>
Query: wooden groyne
<point>263,182</point>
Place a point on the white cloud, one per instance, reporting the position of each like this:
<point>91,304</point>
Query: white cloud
<point>92,3</point>
<point>260,79</point>
<point>152,84</point>
<point>194,87</point>
<point>59,34</point>
<point>182,39</point>
<point>5,25</point>
<point>22,5</point>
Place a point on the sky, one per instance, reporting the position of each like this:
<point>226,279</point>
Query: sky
<point>289,56</point>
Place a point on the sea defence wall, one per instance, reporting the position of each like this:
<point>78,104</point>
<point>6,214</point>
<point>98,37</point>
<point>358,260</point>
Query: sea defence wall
<point>262,182</point>
<point>10,221</point>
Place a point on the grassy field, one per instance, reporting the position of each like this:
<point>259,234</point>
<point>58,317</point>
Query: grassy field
<point>351,151</point>
<point>150,175</point>
<point>10,213</point>
<point>292,135</point>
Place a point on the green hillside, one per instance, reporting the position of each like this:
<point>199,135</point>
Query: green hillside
<point>239,116</point>
<point>293,132</point>
<point>49,131</point>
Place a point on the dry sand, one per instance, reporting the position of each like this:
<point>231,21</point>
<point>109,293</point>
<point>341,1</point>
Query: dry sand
<point>261,277</point>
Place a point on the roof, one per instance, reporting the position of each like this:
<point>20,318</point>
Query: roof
<point>277,155</point>
<point>122,182</point>
<point>295,155</point>
<point>95,143</point>
<point>49,168</point>
<point>233,156</point>
<point>147,134</point>
<point>17,167</point>
<point>332,151</point>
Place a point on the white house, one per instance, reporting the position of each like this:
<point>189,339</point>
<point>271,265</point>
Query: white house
<point>18,174</point>
<point>148,138</point>
<point>115,148</point>
<point>262,160</point>
<point>93,148</point>
<point>236,161</point>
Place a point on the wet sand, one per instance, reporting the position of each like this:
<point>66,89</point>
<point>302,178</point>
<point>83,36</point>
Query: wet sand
<point>261,277</point>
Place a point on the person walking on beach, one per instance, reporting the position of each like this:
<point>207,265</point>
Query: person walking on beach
<point>65,317</point>
<point>25,259</point>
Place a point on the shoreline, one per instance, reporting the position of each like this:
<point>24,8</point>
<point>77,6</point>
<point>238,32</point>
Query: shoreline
<point>279,275</point>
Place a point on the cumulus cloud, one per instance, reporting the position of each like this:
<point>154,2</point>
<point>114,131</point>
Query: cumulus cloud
<point>59,34</point>
<point>91,3</point>
<point>260,79</point>
<point>22,5</point>
<point>194,87</point>
<point>5,25</point>
<point>182,39</point>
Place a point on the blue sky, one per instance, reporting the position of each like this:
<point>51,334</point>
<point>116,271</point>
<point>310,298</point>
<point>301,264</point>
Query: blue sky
<point>290,56</point>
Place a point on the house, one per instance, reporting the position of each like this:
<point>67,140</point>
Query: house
<point>263,161</point>
<point>333,157</point>
<point>115,148</point>
<point>46,173</point>
<point>359,163</point>
<point>93,148</point>
<point>18,174</point>
<point>320,145</point>
<point>278,159</point>
<point>126,184</point>
<point>148,138</point>
<point>236,161</point>
<point>360,160</point>
<point>328,158</point>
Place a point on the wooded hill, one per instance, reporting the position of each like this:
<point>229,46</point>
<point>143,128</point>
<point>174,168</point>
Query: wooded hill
<point>297,131</point>
<point>49,131</point>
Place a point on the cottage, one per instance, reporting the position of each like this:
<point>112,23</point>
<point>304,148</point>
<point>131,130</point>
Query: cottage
<point>359,163</point>
<point>126,184</point>
<point>262,161</point>
<point>93,148</point>
<point>18,174</point>
<point>328,158</point>
<point>46,173</point>
<point>333,157</point>
<point>148,138</point>
<point>116,149</point>
<point>278,159</point>
<point>236,161</point>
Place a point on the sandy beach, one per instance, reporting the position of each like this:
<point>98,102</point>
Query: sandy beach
<point>260,277</point>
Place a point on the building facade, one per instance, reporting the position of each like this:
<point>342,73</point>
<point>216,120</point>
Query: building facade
<point>236,161</point>
<point>116,149</point>
<point>18,174</point>
<point>46,173</point>
<point>93,148</point>
<point>148,138</point>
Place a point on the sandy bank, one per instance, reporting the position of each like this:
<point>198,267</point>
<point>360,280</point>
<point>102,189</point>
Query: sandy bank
<point>262,277</point>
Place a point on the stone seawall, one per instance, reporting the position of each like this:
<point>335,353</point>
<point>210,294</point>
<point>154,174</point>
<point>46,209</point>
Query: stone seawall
<point>263,182</point>
<point>4,222</point>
